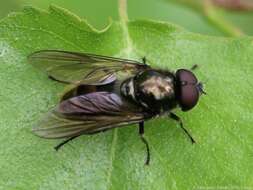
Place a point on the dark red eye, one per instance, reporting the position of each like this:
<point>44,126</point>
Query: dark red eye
<point>188,93</point>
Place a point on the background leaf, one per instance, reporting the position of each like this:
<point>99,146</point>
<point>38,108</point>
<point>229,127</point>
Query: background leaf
<point>221,123</point>
<point>97,13</point>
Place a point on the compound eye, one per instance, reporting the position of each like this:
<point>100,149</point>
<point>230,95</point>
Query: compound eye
<point>187,76</point>
<point>189,97</point>
<point>188,93</point>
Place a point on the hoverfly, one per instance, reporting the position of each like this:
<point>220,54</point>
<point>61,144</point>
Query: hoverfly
<point>109,92</point>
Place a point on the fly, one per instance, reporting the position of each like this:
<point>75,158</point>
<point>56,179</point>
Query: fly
<point>107,92</point>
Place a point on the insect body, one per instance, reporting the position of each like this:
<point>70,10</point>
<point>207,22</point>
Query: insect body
<point>108,92</point>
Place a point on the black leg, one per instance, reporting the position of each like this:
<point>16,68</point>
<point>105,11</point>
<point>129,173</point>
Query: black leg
<point>141,133</point>
<point>176,118</point>
<point>194,67</point>
<point>144,60</point>
<point>64,142</point>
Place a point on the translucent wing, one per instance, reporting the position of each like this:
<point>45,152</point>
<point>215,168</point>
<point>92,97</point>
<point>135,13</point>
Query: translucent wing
<point>87,114</point>
<point>81,68</point>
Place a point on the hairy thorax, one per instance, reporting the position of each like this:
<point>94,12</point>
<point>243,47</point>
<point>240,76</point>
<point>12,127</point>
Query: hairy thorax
<point>151,89</point>
<point>158,87</point>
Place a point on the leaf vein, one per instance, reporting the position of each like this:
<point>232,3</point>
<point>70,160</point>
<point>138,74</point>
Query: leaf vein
<point>112,157</point>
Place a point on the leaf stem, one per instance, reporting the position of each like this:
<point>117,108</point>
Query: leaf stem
<point>210,13</point>
<point>124,23</point>
<point>123,10</point>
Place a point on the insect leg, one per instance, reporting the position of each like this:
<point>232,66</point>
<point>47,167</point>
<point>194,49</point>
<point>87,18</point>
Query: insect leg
<point>64,142</point>
<point>141,133</point>
<point>178,119</point>
<point>144,60</point>
<point>194,67</point>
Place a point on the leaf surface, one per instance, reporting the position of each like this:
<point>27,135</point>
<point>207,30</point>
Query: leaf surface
<point>221,123</point>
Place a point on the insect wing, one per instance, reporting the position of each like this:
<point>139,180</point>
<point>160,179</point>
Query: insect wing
<point>81,68</point>
<point>87,114</point>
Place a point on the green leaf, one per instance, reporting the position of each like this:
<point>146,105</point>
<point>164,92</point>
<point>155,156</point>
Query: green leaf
<point>221,123</point>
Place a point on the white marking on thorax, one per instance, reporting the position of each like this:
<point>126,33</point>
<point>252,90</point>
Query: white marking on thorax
<point>131,89</point>
<point>158,86</point>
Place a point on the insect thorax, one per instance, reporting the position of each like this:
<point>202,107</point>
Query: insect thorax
<point>151,89</point>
